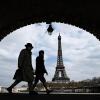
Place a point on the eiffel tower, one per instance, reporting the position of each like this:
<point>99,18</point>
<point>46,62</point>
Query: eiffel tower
<point>60,73</point>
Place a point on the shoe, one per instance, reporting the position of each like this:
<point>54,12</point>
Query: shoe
<point>32,93</point>
<point>49,91</point>
<point>9,90</point>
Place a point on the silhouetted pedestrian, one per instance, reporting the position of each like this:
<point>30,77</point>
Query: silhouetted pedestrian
<point>25,70</point>
<point>40,71</point>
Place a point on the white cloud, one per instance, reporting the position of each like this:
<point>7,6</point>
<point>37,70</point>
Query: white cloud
<point>81,50</point>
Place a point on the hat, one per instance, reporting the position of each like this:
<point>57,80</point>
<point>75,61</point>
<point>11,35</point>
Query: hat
<point>29,45</point>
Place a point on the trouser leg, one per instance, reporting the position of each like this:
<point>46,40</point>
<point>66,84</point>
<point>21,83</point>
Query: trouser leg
<point>14,84</point>
<point>43,80</point>
<point>30,86</point>
<point>35,83</point>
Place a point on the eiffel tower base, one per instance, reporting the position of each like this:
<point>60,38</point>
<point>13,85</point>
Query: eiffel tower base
<point>60,76</point>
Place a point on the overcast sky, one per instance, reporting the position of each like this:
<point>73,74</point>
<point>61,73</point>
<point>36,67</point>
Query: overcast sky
<point>81,51</point>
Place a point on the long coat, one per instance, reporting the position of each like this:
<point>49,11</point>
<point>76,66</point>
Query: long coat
<point>40,67</point>
<point>25,70</point>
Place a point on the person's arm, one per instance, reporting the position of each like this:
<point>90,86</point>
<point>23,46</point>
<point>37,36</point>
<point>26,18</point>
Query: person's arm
<point>45,70</point>
<point>20,59</point>
<point>31,64</point>
<point>32,70</point>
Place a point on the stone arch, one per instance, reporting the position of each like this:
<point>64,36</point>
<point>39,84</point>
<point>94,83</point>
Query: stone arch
<point>16,14</point>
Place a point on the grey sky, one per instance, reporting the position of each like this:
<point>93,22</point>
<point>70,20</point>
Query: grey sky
<point>81,51</point>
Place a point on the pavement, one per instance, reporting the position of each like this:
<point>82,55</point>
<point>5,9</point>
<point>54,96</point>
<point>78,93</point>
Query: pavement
<point>53,95</point>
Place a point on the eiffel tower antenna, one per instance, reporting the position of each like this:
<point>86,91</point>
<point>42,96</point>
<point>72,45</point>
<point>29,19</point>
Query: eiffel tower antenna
<point>60,73</point>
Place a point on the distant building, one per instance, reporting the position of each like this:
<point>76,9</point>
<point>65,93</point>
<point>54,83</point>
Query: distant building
<point>19,89</point>
<point>3,89</point>
<point>87,80</point>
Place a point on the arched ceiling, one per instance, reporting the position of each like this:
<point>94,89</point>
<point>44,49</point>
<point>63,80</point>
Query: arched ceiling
<point>17,13</point>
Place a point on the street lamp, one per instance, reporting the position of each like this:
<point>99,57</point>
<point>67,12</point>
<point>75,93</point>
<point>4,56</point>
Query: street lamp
<point>50,29</point>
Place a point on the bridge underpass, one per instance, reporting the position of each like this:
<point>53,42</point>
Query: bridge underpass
<point>16,14</point>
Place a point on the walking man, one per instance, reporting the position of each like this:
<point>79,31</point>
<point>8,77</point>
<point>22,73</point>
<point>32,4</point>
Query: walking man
<point>25,70</point>
<point>40,71</point>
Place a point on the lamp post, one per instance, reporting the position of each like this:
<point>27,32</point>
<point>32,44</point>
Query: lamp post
<point>50,29</point>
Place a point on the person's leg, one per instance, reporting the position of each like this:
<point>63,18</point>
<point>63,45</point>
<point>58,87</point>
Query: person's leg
<point>43,80</point>
<point>36,81</point>
<point>13,85</point>
<point>30,86</point>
